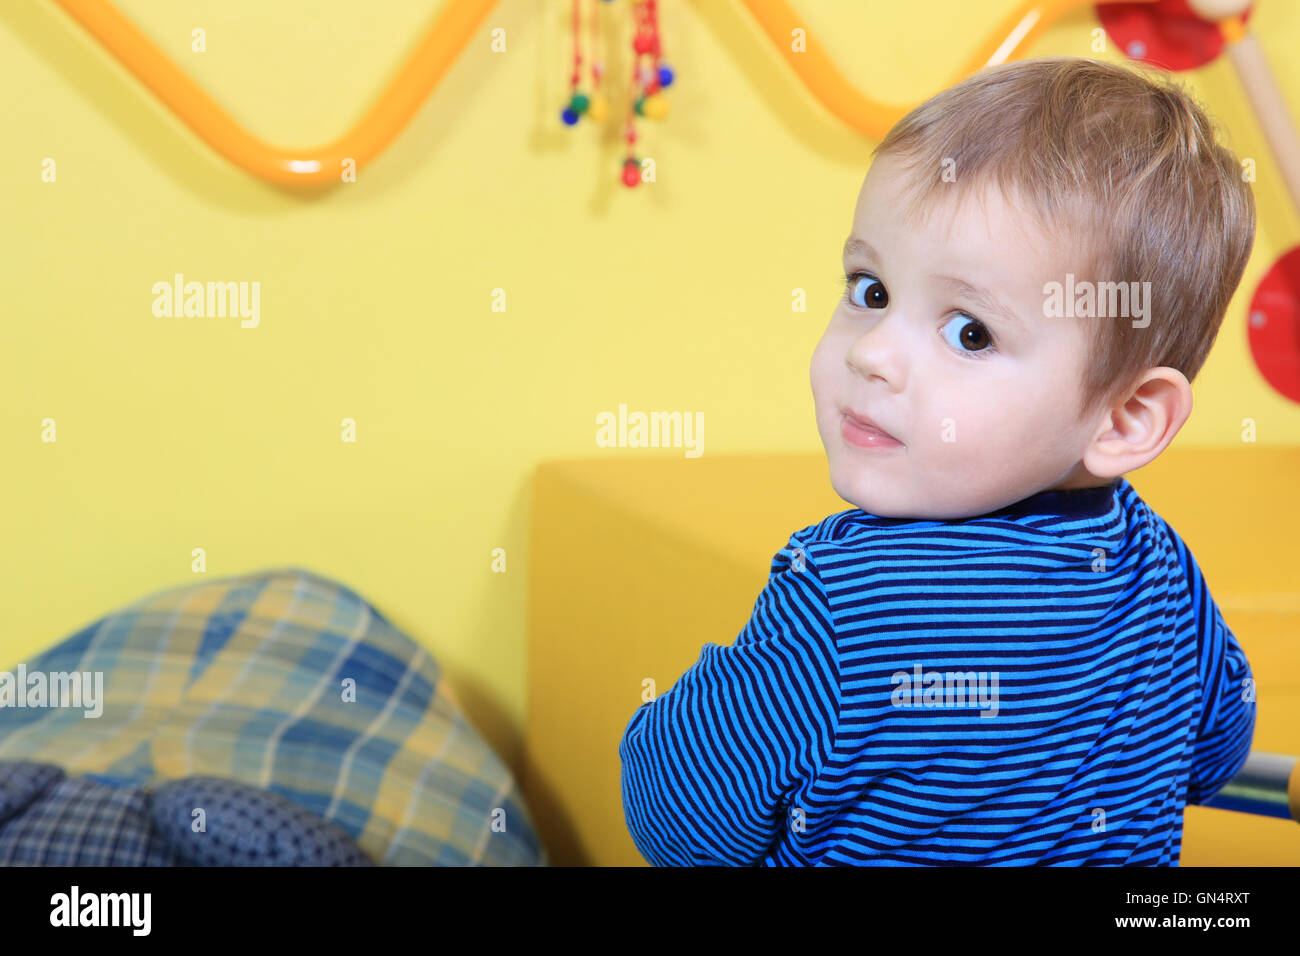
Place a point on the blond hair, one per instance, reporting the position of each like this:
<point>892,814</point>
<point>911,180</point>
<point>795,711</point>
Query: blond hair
<point>1122,158</point>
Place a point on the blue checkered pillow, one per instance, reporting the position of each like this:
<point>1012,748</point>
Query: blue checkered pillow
<point>50,819</point>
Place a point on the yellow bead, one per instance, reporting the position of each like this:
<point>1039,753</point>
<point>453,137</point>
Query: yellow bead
<point>598,108</point>
<point>655,107</point>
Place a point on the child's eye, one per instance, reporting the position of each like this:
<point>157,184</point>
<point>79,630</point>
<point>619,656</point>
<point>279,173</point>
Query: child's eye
<point>967,334</point>
<point>869,287</point>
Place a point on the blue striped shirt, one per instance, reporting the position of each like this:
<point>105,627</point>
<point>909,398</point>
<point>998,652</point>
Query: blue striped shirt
<point>1050,683</point>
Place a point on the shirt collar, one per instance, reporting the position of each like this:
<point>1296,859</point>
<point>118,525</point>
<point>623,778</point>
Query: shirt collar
<point>1071,502</point>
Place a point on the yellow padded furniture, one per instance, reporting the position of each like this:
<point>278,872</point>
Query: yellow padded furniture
<point>637,562</point>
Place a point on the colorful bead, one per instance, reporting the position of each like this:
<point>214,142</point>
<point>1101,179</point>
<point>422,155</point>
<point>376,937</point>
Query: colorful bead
<point>665,76</point>
<point>655,107</point>
<point>579,103</point>
<point>631,172</point>
<point>599,108</point>
<point>569,117</point>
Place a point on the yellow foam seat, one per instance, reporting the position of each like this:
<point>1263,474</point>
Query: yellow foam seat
<point>636,563</point>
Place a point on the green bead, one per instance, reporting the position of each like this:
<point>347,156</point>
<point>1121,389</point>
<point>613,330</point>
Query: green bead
<point>640,106</point>
<point>579,103</point>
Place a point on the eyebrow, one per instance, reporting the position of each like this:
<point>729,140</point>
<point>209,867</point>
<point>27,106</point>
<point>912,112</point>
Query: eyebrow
<point>985,299</point>
<point>856,246</point>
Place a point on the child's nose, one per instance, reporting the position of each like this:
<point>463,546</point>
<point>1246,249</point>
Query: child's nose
<point>880,353</point>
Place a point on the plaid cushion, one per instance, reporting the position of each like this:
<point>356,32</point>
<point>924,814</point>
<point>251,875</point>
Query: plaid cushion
<point>288,682</point>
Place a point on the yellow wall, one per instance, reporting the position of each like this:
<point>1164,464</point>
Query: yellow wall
<point>376,297</point>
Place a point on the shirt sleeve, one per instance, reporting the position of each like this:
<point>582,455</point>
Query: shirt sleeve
<point>710,766</point>
<point>1226,726</point>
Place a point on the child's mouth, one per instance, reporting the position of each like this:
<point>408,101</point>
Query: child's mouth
<point>863,433</point>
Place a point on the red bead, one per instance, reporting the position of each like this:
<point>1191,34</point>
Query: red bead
<point>641,44</point>
<point>631,173</point>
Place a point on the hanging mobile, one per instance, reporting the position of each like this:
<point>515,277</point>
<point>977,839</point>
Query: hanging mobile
<point>578,103</point>
<point>645,85</point>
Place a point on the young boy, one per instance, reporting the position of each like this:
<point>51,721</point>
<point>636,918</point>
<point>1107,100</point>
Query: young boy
<point>1001,655</point>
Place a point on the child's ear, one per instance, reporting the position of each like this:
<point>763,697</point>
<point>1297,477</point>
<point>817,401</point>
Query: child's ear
<point>1136,429</point>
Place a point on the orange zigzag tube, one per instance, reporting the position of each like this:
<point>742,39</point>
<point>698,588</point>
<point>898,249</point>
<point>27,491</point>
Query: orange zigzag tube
<point>387,116</point>
<point>438,49</point>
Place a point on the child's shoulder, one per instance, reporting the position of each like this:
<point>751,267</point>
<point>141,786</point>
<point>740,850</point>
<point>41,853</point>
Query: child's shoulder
<point>848,529</point>
<point>1044,521</point>
<point>856,523</point>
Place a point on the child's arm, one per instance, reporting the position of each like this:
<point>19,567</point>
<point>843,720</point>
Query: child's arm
<point>710,766</point>
<point>1227,720</point>
<point>1227,724</point>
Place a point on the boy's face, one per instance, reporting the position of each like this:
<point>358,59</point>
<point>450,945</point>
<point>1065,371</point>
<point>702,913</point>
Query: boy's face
<point>941,340</point>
